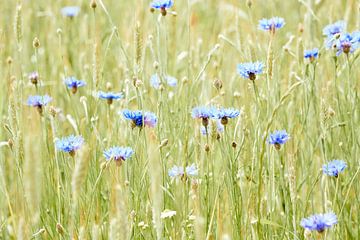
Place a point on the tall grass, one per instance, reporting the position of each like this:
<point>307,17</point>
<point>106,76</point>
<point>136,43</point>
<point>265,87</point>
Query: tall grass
<point>245,188</point>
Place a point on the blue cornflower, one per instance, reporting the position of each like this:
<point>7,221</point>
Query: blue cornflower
<point>69,144</point>
<point>319,222</point>
<point>347,43</point>
<point>249,70</point>
<point>110,96</point>
<point>39,101</point>
<point>118,154</point>
<point>225,113</point>
<point>278,138</point>
<point>204,113</point>
<point>70,11</point>
<point>311,54</point>
<point>162,5</point>
<point>271,24</point>
<point>140,119</point>
<point>155,81</point>
<point>334,167</point>
<point>178,171</point>
<point>335,28</point>
<point>74,84</point>
<point>219,128</point>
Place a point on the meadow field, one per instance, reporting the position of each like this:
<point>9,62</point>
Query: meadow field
<point>183,119</point>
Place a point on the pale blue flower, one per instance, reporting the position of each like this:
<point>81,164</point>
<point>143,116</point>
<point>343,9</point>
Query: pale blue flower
<point>271,24</point>
<point>70,11</point>
<point>319,222</point>
<point>334,167</point>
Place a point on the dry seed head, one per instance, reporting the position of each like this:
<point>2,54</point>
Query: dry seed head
<point>138,83</point>
<point>108,86</point>
<point>59,31</point>
<point>218,84</point>
<point>10,143</point>
<point>60,228</point>
<point>207,148</point>
<point>18,24</point>
<point>9,60</point>
<point>36,43</point>
<point>164,142</point>
<point>93,4</point>
<point>301,28</point>
<point>249,3</point>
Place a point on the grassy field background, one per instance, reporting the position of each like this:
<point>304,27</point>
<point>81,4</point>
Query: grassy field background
<point>245,188</point>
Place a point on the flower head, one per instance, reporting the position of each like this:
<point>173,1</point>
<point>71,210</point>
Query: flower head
<point>178,171</point>
<point>110,96</point>
<point>250,70</point>
<point>118,154</point>
<point>155,81</point>
<point>346,43</point>
<point>271,24</point>
<point>69,144</point>
<point>319,222</point>
<point>140,119</point>
<point>225,113</point>
<point>335,28</point>
<point>278,138</point>
<point>34,77</point>
<point>39,101</point>
<point>311,54</point>
<point>334,167</point>
<point>73,83</point>
<point>162,5</point>
<point>204,113</point>
<point>70,11</point>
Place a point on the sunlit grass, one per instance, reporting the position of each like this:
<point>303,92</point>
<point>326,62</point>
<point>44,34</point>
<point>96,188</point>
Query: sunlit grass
<point>245,188</point>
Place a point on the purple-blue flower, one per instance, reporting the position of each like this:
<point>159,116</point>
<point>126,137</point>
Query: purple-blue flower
<point>162,5</point>
<point>70,11</point>
<point>118,154</point>
<point>140,119</point>
<point>155,81</point>
<point>225,113</point>
<point>347,43</point>
<point>110,96</point>
<point>38,101</point>
<point>69,144</point>
<point>204,113</point>
<point>311,54</point>
<point>159,4</point>
<point>319,222</point>
<point>178,171</point>
<point>73,83</point>
<point>278,138</point>
<point>249,70</point>
<point>335,28</point>
<point>271,24</point>
<point>334,167</point>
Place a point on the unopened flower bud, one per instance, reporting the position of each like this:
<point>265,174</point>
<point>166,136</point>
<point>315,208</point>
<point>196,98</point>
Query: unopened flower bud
<point>93,4</point>
<point>36,43</point>
<point>207,148</point>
